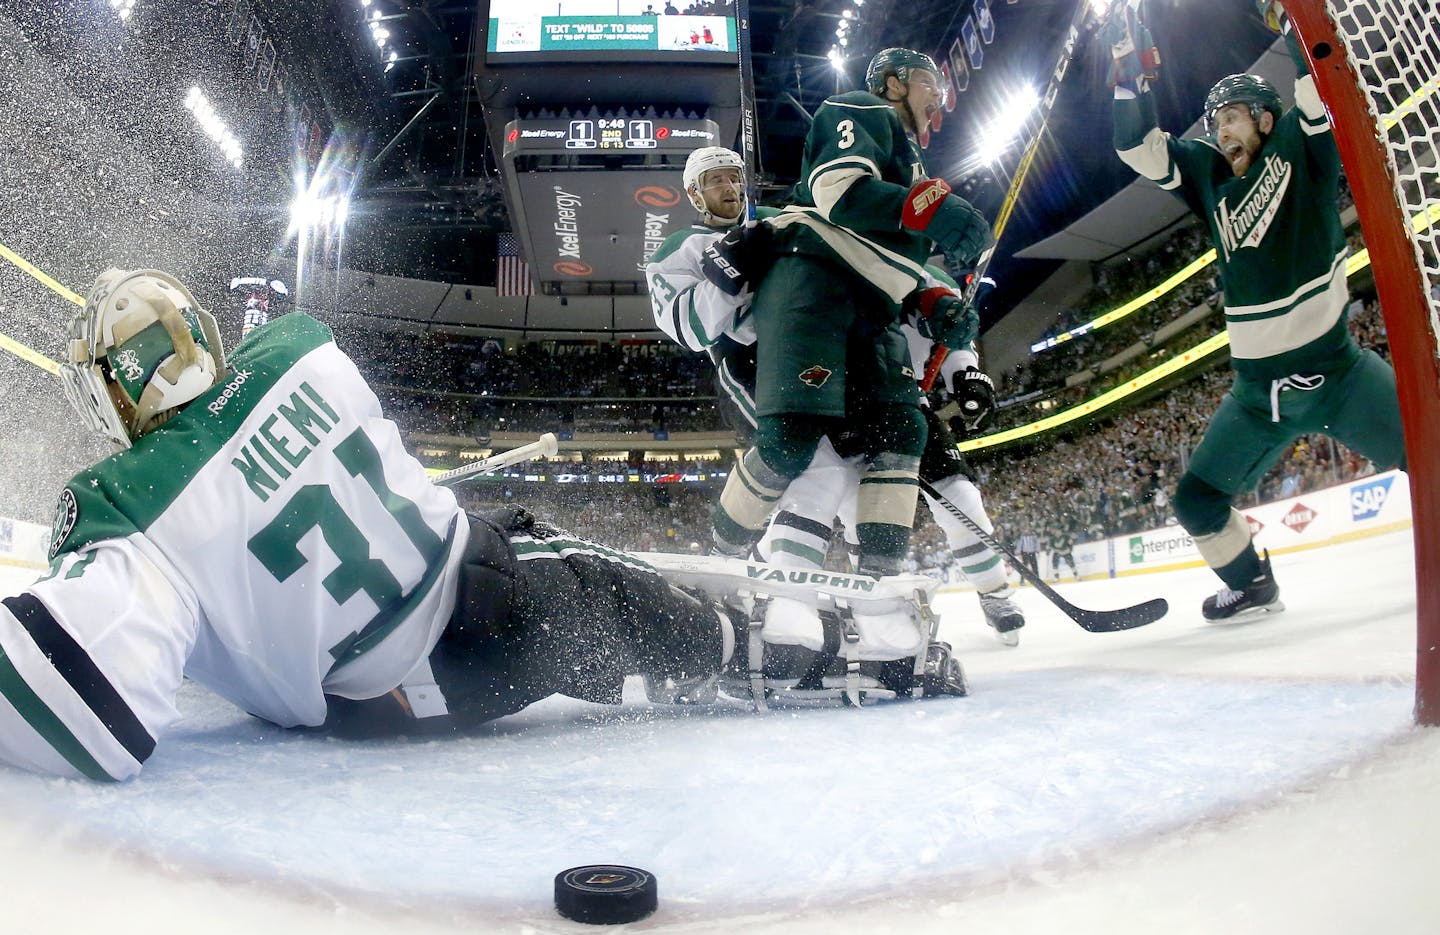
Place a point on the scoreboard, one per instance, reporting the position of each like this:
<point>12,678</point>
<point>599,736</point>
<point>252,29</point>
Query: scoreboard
<point>607,134</point>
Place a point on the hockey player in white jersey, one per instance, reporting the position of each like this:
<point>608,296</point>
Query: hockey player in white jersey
<point>261,530</point>
<point>687,305</point>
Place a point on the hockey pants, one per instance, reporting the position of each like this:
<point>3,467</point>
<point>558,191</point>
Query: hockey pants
<point>540,612</point>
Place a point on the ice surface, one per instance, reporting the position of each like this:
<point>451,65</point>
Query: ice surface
<point>1180,777</point>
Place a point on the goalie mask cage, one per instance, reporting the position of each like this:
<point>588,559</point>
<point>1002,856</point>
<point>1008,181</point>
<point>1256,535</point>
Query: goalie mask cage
<point>1377,67</point>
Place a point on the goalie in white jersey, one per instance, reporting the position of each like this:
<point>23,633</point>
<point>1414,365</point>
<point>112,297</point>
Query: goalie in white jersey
<point>261,530</point>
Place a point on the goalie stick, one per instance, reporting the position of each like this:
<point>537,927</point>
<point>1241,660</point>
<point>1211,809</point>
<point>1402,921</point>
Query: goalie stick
<point>1096,621</point>
<point>545,448</point>
<point>1022,170</point>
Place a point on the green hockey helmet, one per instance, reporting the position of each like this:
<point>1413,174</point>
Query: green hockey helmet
<point>1252,90</point>
<point>897,62</point>
<point>140,348</point>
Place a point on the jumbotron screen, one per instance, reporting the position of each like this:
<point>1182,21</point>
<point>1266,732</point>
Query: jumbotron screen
<point>575,30</point>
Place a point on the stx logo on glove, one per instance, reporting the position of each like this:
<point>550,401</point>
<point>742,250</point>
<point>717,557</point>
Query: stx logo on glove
<point>924,198</point>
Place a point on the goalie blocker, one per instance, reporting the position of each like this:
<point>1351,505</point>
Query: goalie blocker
<point>817,636</point>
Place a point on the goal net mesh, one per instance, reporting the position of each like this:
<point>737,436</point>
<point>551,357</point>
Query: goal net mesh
<point>1395,46</point>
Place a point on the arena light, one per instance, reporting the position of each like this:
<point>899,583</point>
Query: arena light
<point>1195,356</point>
<point>123,8</point>
<point>213,126</point>
<point>309,211</point>
<point>1008,124</point>
<point>836,59</point>
<point>1357,261</point>
<point>379,33</point>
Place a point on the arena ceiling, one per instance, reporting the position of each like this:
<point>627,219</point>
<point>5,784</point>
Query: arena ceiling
<point>433,178</point>
<point>426,192</point>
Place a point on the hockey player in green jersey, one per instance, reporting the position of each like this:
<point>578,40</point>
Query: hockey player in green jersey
<point>851,247</point>
<point>262,531</point>
<point>1265,181</point>
<point>698,314</point>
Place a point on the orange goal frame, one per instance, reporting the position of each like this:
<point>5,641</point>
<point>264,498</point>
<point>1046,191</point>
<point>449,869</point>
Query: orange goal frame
<point>1403,292</point>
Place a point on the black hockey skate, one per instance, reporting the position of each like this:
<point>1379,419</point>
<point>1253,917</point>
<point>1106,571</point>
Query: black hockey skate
<point>943,672</point>
<point>1260,596</point>
<point>1003,615</point>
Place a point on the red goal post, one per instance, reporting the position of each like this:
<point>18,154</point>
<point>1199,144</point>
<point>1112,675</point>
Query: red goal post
<point>1377,67</point>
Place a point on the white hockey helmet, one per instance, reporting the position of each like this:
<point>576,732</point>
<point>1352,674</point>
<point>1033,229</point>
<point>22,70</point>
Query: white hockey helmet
<point>141,347</point>
<point>703,160</point>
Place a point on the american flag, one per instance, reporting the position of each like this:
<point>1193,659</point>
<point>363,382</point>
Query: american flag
<point>512,274</point>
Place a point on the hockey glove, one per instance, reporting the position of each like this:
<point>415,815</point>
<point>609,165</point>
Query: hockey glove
<point>944,317</point>
<point>736,262</point>
<point>960,231</point>
<point>973,390</point>
<point>1133,55</point>
<point>1272,13</point>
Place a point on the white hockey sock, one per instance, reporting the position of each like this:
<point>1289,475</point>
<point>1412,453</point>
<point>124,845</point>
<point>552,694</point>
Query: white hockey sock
<point>979,563</point>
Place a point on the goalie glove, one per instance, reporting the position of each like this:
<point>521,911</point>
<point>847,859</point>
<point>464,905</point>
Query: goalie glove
<point>944,317</point>
<point>974,392</point>
<point>736,262</point>
<point>1133,56</point>
<point>1272,14</point>
<point>957,228</point>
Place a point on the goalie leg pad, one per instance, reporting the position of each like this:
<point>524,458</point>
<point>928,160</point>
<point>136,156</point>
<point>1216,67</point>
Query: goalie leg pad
<point>786,607</point>
<point>789,622</point>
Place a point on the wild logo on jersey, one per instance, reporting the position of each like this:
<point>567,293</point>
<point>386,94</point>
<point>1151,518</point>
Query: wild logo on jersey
<point>1248,222</point>
<point>815,376</point>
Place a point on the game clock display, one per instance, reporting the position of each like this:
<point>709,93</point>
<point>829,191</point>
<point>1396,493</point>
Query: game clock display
<point>607,134</point>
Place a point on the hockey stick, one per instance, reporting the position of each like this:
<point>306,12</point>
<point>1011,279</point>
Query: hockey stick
<point>544,448</point>
<point>1096,621</point>
<point>747,109</point>
<point>1022,170</point>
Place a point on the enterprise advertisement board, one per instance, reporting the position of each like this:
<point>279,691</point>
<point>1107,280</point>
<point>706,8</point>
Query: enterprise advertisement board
<point>1368,506</point>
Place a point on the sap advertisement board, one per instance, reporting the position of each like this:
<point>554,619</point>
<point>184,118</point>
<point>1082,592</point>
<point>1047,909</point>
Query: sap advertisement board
<point>1368,506</point>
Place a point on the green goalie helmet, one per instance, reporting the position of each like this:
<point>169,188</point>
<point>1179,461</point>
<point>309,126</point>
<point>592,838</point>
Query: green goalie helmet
<point>139,349</point>
<point>1252,90</point>
<point>897,62</point>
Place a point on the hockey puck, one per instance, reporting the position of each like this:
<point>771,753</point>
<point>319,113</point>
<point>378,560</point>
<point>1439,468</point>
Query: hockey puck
<point>605,894</point>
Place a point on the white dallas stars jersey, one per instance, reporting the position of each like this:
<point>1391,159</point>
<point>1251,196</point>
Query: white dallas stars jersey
<point>273,542</point>
<point>690,309</point>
